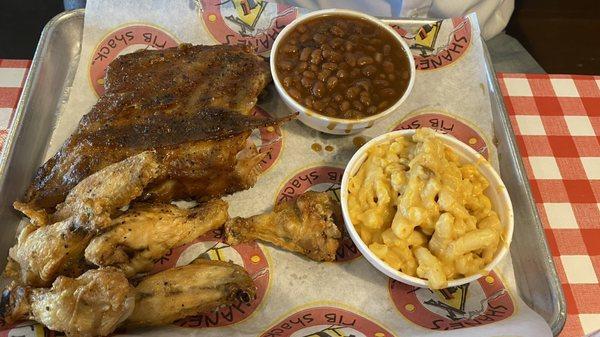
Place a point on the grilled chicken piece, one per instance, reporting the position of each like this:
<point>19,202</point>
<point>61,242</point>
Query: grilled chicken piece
<point>145,232</point>
<point>98,301</point>
<point>45,252</point>
<point>305,225</point>
<point>189,103</point>
<point>198,287</point>
<point>91,305</point>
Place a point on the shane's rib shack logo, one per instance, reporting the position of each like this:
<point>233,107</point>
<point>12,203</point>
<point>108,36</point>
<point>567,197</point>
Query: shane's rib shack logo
<point>326,322</point>
<point>268,141</point>
<point>477,303</point>
<point>320,179</point>
<point>446,124</point>
<point>123,41</point>
<point>254,23</point>
<point>211,246</point>
<point>438,44</point>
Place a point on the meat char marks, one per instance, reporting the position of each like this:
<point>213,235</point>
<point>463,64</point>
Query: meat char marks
<point>189,103</point>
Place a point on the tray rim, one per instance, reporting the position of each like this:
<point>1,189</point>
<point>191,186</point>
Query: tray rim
<point>32,76</point>
<point>558,320</point>
<point>558,323</point>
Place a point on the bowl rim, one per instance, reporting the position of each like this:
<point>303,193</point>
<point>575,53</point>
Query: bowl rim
<point>382,266</point>
<point>345,12</point>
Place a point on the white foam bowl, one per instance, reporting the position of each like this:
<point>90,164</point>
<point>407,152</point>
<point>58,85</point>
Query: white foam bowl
<point>332,125</point>
<point>496,192</point>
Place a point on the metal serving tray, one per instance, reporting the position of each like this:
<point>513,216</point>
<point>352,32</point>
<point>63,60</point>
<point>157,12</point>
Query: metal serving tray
<point>46,91</point>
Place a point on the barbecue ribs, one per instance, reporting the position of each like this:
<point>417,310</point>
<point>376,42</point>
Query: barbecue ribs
<point>189,103</point>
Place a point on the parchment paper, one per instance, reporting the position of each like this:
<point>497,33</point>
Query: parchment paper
<point>299,297</point>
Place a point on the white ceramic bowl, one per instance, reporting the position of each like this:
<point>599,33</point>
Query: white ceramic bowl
<point>496,192</point>
<point>324,123</point>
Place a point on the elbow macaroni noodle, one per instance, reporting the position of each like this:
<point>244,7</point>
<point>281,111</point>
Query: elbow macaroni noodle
<point>422,212</point>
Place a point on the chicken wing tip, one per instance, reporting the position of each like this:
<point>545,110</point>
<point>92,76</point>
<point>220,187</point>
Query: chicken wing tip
<point>14,304</point>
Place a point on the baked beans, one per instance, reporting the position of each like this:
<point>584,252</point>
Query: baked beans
<point>342,67</point>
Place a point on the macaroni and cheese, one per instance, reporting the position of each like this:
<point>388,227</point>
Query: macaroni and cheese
<point>422,212</point>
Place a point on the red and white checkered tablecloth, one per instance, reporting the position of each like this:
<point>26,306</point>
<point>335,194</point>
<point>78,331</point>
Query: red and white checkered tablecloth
<point>557,122</point>
<point>12,78</point>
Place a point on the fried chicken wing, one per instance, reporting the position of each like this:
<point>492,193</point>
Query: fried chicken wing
<point>111,188</point>
<point>145,232</point>
<point>97,197</point>
<point>91,305</point>
<point>305,225</point>
<point>98,301</point>
<point>188,103</point>
<point>198,287</point>
<point>43,253</point>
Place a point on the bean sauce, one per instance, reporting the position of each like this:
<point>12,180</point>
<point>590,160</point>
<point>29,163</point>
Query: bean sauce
<point>342,66</point>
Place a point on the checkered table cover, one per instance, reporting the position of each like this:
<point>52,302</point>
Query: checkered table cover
<point>555,118</point>
<point>12,78</point>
